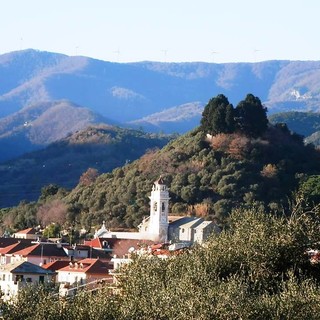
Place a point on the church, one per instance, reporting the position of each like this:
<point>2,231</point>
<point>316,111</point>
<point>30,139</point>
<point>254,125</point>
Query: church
<point>159,227</point>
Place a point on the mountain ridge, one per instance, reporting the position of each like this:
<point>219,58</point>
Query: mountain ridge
<point>101,147</point>
<point>146,94</point>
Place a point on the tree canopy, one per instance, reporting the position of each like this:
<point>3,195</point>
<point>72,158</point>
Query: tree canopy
<point>249,117</point>
<point>218,116</point>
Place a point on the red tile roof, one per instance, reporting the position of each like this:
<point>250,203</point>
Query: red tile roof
<point>43,249</point>
<point>14,247</point>
<point>56,265</point>
<point>27,231</point>
<point>94,243</point>
<point>90,266</point>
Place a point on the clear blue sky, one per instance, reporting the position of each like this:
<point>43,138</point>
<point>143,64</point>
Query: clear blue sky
<point>164,30</point>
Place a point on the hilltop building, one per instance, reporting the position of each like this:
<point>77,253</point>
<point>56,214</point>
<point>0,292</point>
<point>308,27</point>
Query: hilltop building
<point>160,227</point>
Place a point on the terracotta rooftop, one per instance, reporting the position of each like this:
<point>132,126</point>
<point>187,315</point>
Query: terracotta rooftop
<point>92,266</point>
<point>94,243</point>
<point>56,265</point>
<point>27,231</point>
<point>119,247</point>
<point>42,249</point>
<point>14,247</point>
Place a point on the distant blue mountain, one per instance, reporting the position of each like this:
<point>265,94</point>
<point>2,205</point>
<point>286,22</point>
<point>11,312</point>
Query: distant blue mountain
<point>148,94</point>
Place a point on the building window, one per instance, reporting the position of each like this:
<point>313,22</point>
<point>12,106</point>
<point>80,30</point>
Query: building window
<point>155,206</point>
<point>163,207</point>
<point>18,278</point>
<point>182,230</point>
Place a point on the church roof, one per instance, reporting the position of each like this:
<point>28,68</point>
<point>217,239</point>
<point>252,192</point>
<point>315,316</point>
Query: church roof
<point>159,181</point>
<point>184,221</point>
<point>192,224</point>
<point>203,225</point>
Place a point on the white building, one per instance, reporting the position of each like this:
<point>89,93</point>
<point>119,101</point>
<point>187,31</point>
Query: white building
<point>87,272</point>
<point>29,233</point>
<point>15,276</point>
<point>160,227</point>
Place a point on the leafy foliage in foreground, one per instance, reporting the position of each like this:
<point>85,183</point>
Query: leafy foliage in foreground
<point>255,269</point>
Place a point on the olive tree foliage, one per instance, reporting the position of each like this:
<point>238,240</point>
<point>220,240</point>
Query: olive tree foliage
<point>309,190</point>
<point>257,268</point>
<point>38,303</point>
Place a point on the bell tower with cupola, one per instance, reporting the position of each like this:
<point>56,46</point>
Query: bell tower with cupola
<point>159,208</point>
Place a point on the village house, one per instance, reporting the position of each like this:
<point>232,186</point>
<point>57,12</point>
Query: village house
<point>7,252</point>
<point>29,233</point>
<point>77,252</point>
<point>88,272</point>
<point>40,253</point>
<point>15,276</point>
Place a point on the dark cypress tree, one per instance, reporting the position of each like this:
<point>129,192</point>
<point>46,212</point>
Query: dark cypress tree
<point>218,116</point>
<point>251,116</point>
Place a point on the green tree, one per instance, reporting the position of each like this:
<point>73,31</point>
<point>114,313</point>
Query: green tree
<point>218,116</point>
<point>52,230</point>
<point>251,116</point>
<point>48,192</point>
<point>309,191</point>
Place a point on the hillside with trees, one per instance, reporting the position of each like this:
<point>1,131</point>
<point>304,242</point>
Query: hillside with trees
<point>304,123</point>
<point>99,147</point>
<point>243,161</point>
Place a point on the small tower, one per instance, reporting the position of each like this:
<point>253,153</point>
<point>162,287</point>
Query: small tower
<point>159,207</point>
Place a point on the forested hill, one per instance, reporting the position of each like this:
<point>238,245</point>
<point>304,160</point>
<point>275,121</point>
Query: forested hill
<point>205,178</point>
<point>100,147</point>
<point>243,160</point>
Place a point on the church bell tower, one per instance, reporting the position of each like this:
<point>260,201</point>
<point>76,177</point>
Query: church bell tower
<point>159,207</point>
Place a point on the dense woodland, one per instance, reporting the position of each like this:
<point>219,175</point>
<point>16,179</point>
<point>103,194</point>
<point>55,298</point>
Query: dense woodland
<point>243,161</point>
<point>102,147</point>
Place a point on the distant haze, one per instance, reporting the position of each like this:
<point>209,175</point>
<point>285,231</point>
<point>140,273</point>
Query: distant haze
<point>45,96</point>
<point>166,31</point>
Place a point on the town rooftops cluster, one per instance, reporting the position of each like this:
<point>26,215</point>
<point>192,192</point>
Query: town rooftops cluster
<point>25,258</point>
